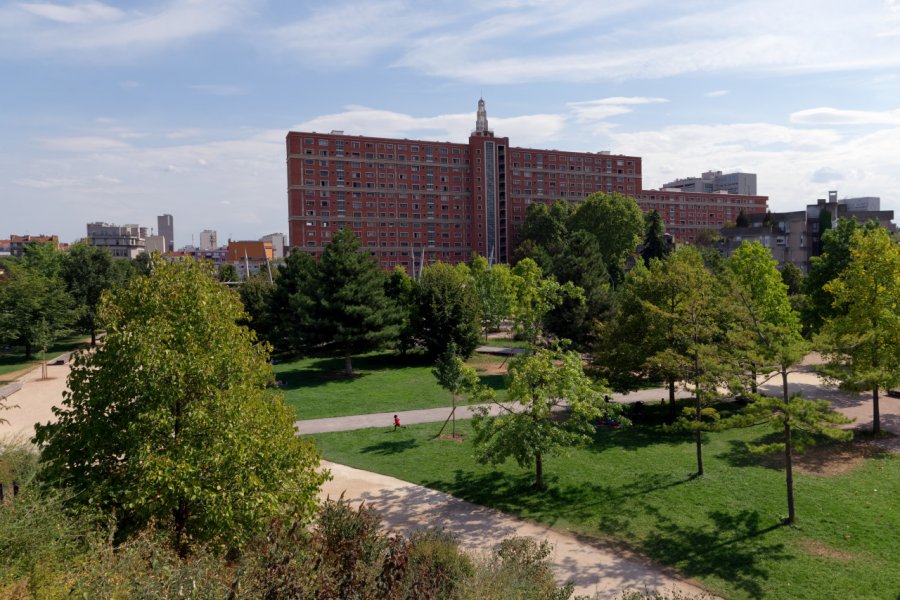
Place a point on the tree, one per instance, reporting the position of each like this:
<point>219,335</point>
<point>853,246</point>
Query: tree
<point>290,303</point>
<point>540,385</point>
<point>228,273</point>
<point>862,341</point>
<point>34,307</point>
<point>777,345</point>
<point>536,296</point>
<point>654,245</point>
<point>173,420</point>
<point>142,264</point>
<point>688,307</point>
<point>828,265</point>
<point>792,277</point>
<point>544,232</point>
<point>403,292</point>
<point>742,220</point>
<point>88,271</point>
<point>580,264</point>
<point>447,310</point>
<point>616,222</point>
<point>453,375</point>
<point>255,293</point>
<point>349,309</point>
<point>495,291</point>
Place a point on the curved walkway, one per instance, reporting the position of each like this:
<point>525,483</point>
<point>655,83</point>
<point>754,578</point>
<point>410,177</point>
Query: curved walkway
<point>595,568</point>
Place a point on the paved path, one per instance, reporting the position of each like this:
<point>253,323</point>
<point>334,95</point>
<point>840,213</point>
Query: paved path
<point>592,566</point>
<point>432,415</point>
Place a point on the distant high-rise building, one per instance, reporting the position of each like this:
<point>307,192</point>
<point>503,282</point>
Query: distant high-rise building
<point>279,242</point>
<point>208,240</point>
<point>156,243</point>
<point>743,184</point>
<point>123,241</point>
<point>165,227</point>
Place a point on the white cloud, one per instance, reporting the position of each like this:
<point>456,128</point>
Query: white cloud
<point>81,12</point>
<point>84,144</point>
<point>96,28</point>
<point>716,94</point>
<point>837,116</point>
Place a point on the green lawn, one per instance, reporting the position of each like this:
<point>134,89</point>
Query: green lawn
<point>384,382</point>
<point>634,486</point>
<point>14,359</point>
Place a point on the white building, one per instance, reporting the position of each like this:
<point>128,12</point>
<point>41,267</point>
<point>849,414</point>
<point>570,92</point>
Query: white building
<point>709,182</point>
<point>156,243</point>
<point>208,240</point>
<point>279,242</point>
<point>123,241</point>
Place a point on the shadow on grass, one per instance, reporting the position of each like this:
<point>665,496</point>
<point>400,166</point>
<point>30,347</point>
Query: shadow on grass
<point>495,382</point>
<point>330,369</point>
<point>728,546</point>
<point>390,447</point>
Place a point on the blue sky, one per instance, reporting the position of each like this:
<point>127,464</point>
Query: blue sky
<point>122,111</point>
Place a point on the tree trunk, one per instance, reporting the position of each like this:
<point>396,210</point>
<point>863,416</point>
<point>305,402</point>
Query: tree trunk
<point>876,412</point>
<point>672,411</point>
<point>93,338</point>
<point>788,449</point>
<point>538,471</point>
<point>29,351</point>
<point>753,379</point>
<point>348,364</point>
<point>453,414</point>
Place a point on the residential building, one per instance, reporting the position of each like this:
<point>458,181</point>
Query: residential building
<point>17,243</point>
<point>250,256</point>
<point>279,243</point>
<point>217,256</point>
<point>165,226</point>
<point>686,214</point>
<point>743,184</point>
<point>4,248</point>
<point>795,237</point>
<point>409,199</point>
<point>208,240</point>
<point>123,241</point>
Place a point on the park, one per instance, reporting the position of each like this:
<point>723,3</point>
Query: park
<point>693,441</point>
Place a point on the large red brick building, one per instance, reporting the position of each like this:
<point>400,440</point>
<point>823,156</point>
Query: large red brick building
<point>406,199</point>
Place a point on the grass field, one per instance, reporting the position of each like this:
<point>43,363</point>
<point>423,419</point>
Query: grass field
<point>11,362</point>
<point>385,382</point>
<point>635,487</point>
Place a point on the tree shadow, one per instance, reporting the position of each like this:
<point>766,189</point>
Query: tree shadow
<point>390,447</point>
<point>330,369</point>
<point>495,382</point>
<point>729,546</point>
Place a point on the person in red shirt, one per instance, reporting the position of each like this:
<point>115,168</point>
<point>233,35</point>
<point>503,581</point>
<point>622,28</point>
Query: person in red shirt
<point>396,422</point>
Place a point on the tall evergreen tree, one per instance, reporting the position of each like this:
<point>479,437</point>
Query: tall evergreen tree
<point>655,245</point>
<point>290,303</point>
<point>349,309</point>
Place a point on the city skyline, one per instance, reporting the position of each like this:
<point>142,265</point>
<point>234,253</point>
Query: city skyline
<point>120,114</point>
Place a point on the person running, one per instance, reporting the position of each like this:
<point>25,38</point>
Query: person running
<point>396,423</point>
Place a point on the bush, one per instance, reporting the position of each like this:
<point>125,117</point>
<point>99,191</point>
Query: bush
<point>517,569</point>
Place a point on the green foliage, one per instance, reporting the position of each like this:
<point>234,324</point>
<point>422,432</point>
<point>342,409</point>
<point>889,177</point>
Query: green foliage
<point>348,306</point>
<point>256,296</point>
<point>228,272</point>
<point>862,340</point>
<point>809,422</point>
<point>544,232</point>
<point>88,271</point>
<point>402,290</point>
<point>35,307</point>
<point>290,303</point>
<point>580,264</point>
<point>829,264</point>
<point>540,384</point>
<point>170,420</point>
<point>793,278</point>
<point>495,289</point>
<point>742,220</point>
<point>448,309</point>
<point>654,245</point>
<point>535,296</point>
<point>616,222</point>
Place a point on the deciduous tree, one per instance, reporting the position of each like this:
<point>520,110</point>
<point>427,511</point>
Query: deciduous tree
<point>541,385</point>
<point>88,271</point>
<point>32,306</point>
<point>172,420</point>
<point>453,375</point>
<point>536,295</point>
<point>862,341</point>
<point>616,222</point>
<point>448,309</point>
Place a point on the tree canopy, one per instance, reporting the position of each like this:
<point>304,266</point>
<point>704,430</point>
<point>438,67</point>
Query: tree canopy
<point>172,420</point>
<point>448,309</point>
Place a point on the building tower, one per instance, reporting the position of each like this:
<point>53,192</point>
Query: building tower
<point>165,226</point>
<point>481,122</point>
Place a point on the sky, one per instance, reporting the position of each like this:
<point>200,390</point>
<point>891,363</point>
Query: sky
<point>122,111</point>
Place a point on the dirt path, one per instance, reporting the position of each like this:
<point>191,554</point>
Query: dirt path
<point>592,566</point>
